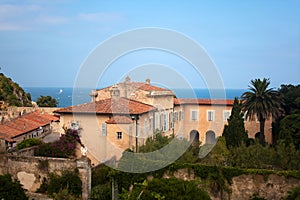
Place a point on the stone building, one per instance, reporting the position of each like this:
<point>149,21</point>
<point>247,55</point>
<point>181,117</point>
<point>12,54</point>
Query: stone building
<point>29,125</point>
<point>124,115</point>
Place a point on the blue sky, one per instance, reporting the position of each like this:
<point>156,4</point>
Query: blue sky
<point>44,42</point>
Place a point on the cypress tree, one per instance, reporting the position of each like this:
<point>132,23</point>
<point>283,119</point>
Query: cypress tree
<point>235,133</point>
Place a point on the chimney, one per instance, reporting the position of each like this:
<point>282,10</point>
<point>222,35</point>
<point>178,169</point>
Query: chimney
<point>148,81</point>
<point>93,95</point>
<point>127,79</point>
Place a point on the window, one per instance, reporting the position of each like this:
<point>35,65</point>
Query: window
<point>210,115</point>
<point>130,129</point>
<point>180,115</point>
<point>165,122</point>
<point>103,129</point>
<point>156,121</point>
<point>194,115</point>
<point>226,115</point>
<point>161,121</point>
<point>175,116</point>
<point>145,126</point>
<point>171,120</point>
<point>151,124</point>
<point>119,135</point>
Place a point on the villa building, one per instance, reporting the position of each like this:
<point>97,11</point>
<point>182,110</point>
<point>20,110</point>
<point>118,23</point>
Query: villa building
<point>124,115</point>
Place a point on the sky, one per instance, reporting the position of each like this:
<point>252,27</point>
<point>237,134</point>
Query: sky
<point>45,43</point>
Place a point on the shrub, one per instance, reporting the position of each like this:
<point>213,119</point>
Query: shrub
<point>100,175</point>
<point>63,148</point>
<point>10,189</point>
<point>101,192</point>
<point>28,143</point>
<point>294,194</point>
<point>166,189</point>
<point>69,182</point>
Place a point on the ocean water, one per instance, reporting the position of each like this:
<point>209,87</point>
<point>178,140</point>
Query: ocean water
<point>67,97</point>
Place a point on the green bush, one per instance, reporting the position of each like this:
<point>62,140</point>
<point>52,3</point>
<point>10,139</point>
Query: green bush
<point>9,189</point>
<point>29,143</point>
<point>101,192</point>
<point>165,189</point>
<point>294,194</point>
<point>69,182</point>
<point>100,175</point>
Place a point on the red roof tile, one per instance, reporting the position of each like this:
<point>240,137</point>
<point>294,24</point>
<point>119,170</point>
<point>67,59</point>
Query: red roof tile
<point>184,101</point>
<point>119,119</point>
<point>109,106</point>
<point>25,123</point>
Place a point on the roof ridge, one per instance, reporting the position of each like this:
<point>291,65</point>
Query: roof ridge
<point>138,101</point>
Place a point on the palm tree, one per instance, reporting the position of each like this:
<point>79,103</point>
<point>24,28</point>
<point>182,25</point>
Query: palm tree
<point>261,102</point>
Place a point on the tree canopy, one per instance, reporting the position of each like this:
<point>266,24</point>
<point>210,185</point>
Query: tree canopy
<point>261,102</point>
<point>46,101</point>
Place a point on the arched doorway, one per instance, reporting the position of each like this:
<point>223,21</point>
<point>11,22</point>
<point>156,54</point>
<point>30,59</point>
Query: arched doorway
<point>194,137</point>
<point>210,137</point>
<point>257,135</point>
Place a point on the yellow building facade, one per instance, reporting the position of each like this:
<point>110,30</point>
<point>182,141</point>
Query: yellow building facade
<point>124,115</point>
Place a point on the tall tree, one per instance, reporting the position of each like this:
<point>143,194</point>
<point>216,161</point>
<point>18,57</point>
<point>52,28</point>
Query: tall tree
<point>261,102</point>
<point>235,133</point>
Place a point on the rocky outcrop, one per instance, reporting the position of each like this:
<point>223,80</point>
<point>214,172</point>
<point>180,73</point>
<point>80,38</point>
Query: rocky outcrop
<point>268,187</point>
<point>12,94</point>
<point>246,186</point>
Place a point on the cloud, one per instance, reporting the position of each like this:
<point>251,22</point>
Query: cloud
<point>11,27</point>
<point>101,17</point>
<point>9,11</point>
<point>17,17</point>
<point>52,19</point>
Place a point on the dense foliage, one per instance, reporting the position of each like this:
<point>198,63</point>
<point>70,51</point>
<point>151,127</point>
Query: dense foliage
<point>9,189</point>
<point>28,143</point>
<point>235,133</point>
<point>287,127</point>
<point>62,148</point>
<point>12,93</point>
<point>68,184</point>
<point>101,183</point>
<point>46,101</point>
<point>160,188</point>
<point>157,152</point>
<point>290,96</point>
<point>294,194</point>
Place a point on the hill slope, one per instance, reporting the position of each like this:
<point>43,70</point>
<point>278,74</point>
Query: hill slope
<point>12,94</point>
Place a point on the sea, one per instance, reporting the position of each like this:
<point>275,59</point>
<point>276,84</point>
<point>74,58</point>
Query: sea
<point>67,96</point>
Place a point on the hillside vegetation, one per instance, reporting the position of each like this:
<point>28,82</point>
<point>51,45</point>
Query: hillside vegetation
<point>12,94</point>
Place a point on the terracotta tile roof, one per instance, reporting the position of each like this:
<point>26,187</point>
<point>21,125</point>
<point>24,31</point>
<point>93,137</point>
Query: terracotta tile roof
<point>146,86</point>
<point>184,101</point>
<point>24,124</point>
<point>119,119</point>
<point>109,106</point>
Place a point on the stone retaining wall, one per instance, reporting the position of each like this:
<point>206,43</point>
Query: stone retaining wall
<point>31,171</point>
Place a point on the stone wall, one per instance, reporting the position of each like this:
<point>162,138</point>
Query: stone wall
<point>270,187</point>
<point>31,171</point>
